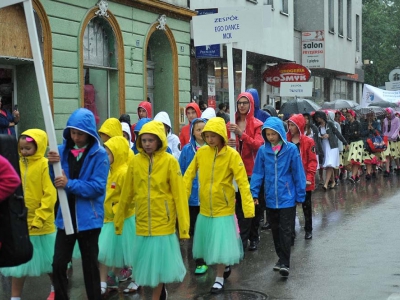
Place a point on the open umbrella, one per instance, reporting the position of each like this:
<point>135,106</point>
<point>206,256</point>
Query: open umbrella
<point>364,111</point>
<point>384,104</point>
<point>339,104</point>
<point>298,106</point>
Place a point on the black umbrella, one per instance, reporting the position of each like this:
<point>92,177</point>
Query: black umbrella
<point>299,106</point>
<point>364,111</point>
<point>339,104</point>
<point>384,104</point>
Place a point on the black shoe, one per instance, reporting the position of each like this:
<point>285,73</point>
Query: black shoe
<point>386,174</point>
<point>227,272</point>
<point>253,246</point>
<point>358,179</point>
<point>284,271</point>
<point>217,290</point>
<point>266,226</point>
<point>368,176</point>
<point>308,235</point>
<point>277,266</point>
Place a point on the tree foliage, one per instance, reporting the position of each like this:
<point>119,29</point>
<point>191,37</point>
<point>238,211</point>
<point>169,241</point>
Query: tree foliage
<point>380,39</point>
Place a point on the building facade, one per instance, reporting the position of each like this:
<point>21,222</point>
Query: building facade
<point>337,25</point>
<point>107,56</point>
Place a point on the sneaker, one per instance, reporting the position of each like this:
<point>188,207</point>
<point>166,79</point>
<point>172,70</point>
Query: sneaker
<point>125,274</point>
<point>277,266</point>
<point>112,282</point>
<point>200,270</point>
<point>284,271</point>
<point>51,296</point>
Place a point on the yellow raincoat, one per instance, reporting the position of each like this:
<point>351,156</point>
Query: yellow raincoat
<point>39,192</point>
<point>119,147</point>
<point>216,173</point>
<point>155,185</point>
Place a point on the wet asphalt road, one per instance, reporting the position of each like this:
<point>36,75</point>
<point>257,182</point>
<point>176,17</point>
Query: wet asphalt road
<point>354,254</point>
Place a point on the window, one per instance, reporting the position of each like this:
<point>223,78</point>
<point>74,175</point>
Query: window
<point>349,27</point>
<point>252,1</point>
<point>331,13</point>
<point>340,19</point>
<point>358,33</point>
<point>285,7</point>
<point>339,91</point>
<point>270,2</point>
<point>100,67</point>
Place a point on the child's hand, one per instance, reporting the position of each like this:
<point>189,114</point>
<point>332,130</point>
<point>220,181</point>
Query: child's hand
<point>255,201</point>
<point>308,182</point>
<point>61,181</point>
<point>53,157</point>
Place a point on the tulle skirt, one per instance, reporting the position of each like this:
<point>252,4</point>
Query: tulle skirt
<point>128,239</point>
<point>217,241</point>
<point>157,259</point>
<point>111,251</point>
<point>42,260</point>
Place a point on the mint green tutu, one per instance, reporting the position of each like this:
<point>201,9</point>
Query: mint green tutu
<point>128,239</point>
<point>77,252</point>
<point>217,241</point>
<point>110,247</point>
<point>158,259</point>
<point>42,260</point>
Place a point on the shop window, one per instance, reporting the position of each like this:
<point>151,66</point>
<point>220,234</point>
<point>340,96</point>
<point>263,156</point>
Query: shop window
<point>331,13</point>
<point>100,68</point>
<point>340,18</point>
<point>285,7</point>
<point>349,27</point>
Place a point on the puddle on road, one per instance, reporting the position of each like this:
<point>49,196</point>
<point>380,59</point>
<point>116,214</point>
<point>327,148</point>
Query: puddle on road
<point>233,295</point>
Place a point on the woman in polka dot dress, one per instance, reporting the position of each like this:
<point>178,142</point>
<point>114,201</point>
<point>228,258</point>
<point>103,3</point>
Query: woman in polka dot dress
<point>352,134</point>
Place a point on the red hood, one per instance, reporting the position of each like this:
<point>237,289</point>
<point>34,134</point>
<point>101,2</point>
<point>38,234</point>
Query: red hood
<point>250,113</point>
<point>147,106</point>
<point>196,107</point>
<point>300,122</point>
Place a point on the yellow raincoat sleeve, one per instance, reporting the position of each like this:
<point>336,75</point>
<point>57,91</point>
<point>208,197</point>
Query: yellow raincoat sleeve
<point>125,201</point>
<point>181,201</point>
<point>48,200</point>
<point>239,172</point>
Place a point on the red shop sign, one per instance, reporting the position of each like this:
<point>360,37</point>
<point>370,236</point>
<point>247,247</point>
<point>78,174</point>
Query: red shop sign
<point>286,72</point>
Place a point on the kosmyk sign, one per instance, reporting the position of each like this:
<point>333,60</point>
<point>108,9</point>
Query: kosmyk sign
<point>230,26</point>
<point>286,72</point>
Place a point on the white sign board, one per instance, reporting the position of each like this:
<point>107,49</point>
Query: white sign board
<point>296,89</point>
<point>394,75</point>
<point>392,86</point>
<point>228,27</point>
<point>373,94</point>
<point>313,49</point>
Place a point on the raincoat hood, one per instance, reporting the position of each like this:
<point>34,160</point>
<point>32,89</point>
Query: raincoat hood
<point>156,128</point>
<point>248,96</point>
<point>320,114</point>
<point>140,124</point>
<point>40,138</point>
<point>271,110</point>
<point>275,124</point>
<point>146,106</point>
<point>111,127</point>
<point>195,106</point>
<point>119,148</point>
<point>331,116</point>
<point>208,113</point>
<point>256,98</point>
<point>218,126</point>
<point>82,119</point>
<point>391,112</point>
<point>126,128</point>
<point>192,137</point>
<point>163,117</point>
<point>300,122</point>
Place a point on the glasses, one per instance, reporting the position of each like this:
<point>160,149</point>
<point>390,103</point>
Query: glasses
<point>243,103</point>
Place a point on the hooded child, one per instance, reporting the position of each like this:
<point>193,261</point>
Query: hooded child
<point>216,239</point>
<point>85,170</point>
<point>279,168</point>
<point>173,141</point>
<point>144,110</point>
<point>192,111</point>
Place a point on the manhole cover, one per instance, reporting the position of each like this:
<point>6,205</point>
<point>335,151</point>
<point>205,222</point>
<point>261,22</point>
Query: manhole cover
<point>234,294</point>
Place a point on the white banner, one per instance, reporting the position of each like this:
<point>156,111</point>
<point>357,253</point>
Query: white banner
<point>296,89</point>
<point>372,94</point>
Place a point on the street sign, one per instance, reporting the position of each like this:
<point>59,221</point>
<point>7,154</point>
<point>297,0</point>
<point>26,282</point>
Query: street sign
<point>394,75</point>
<point>228,27</point>
<point>392,86</point>
<point>296,89</point>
